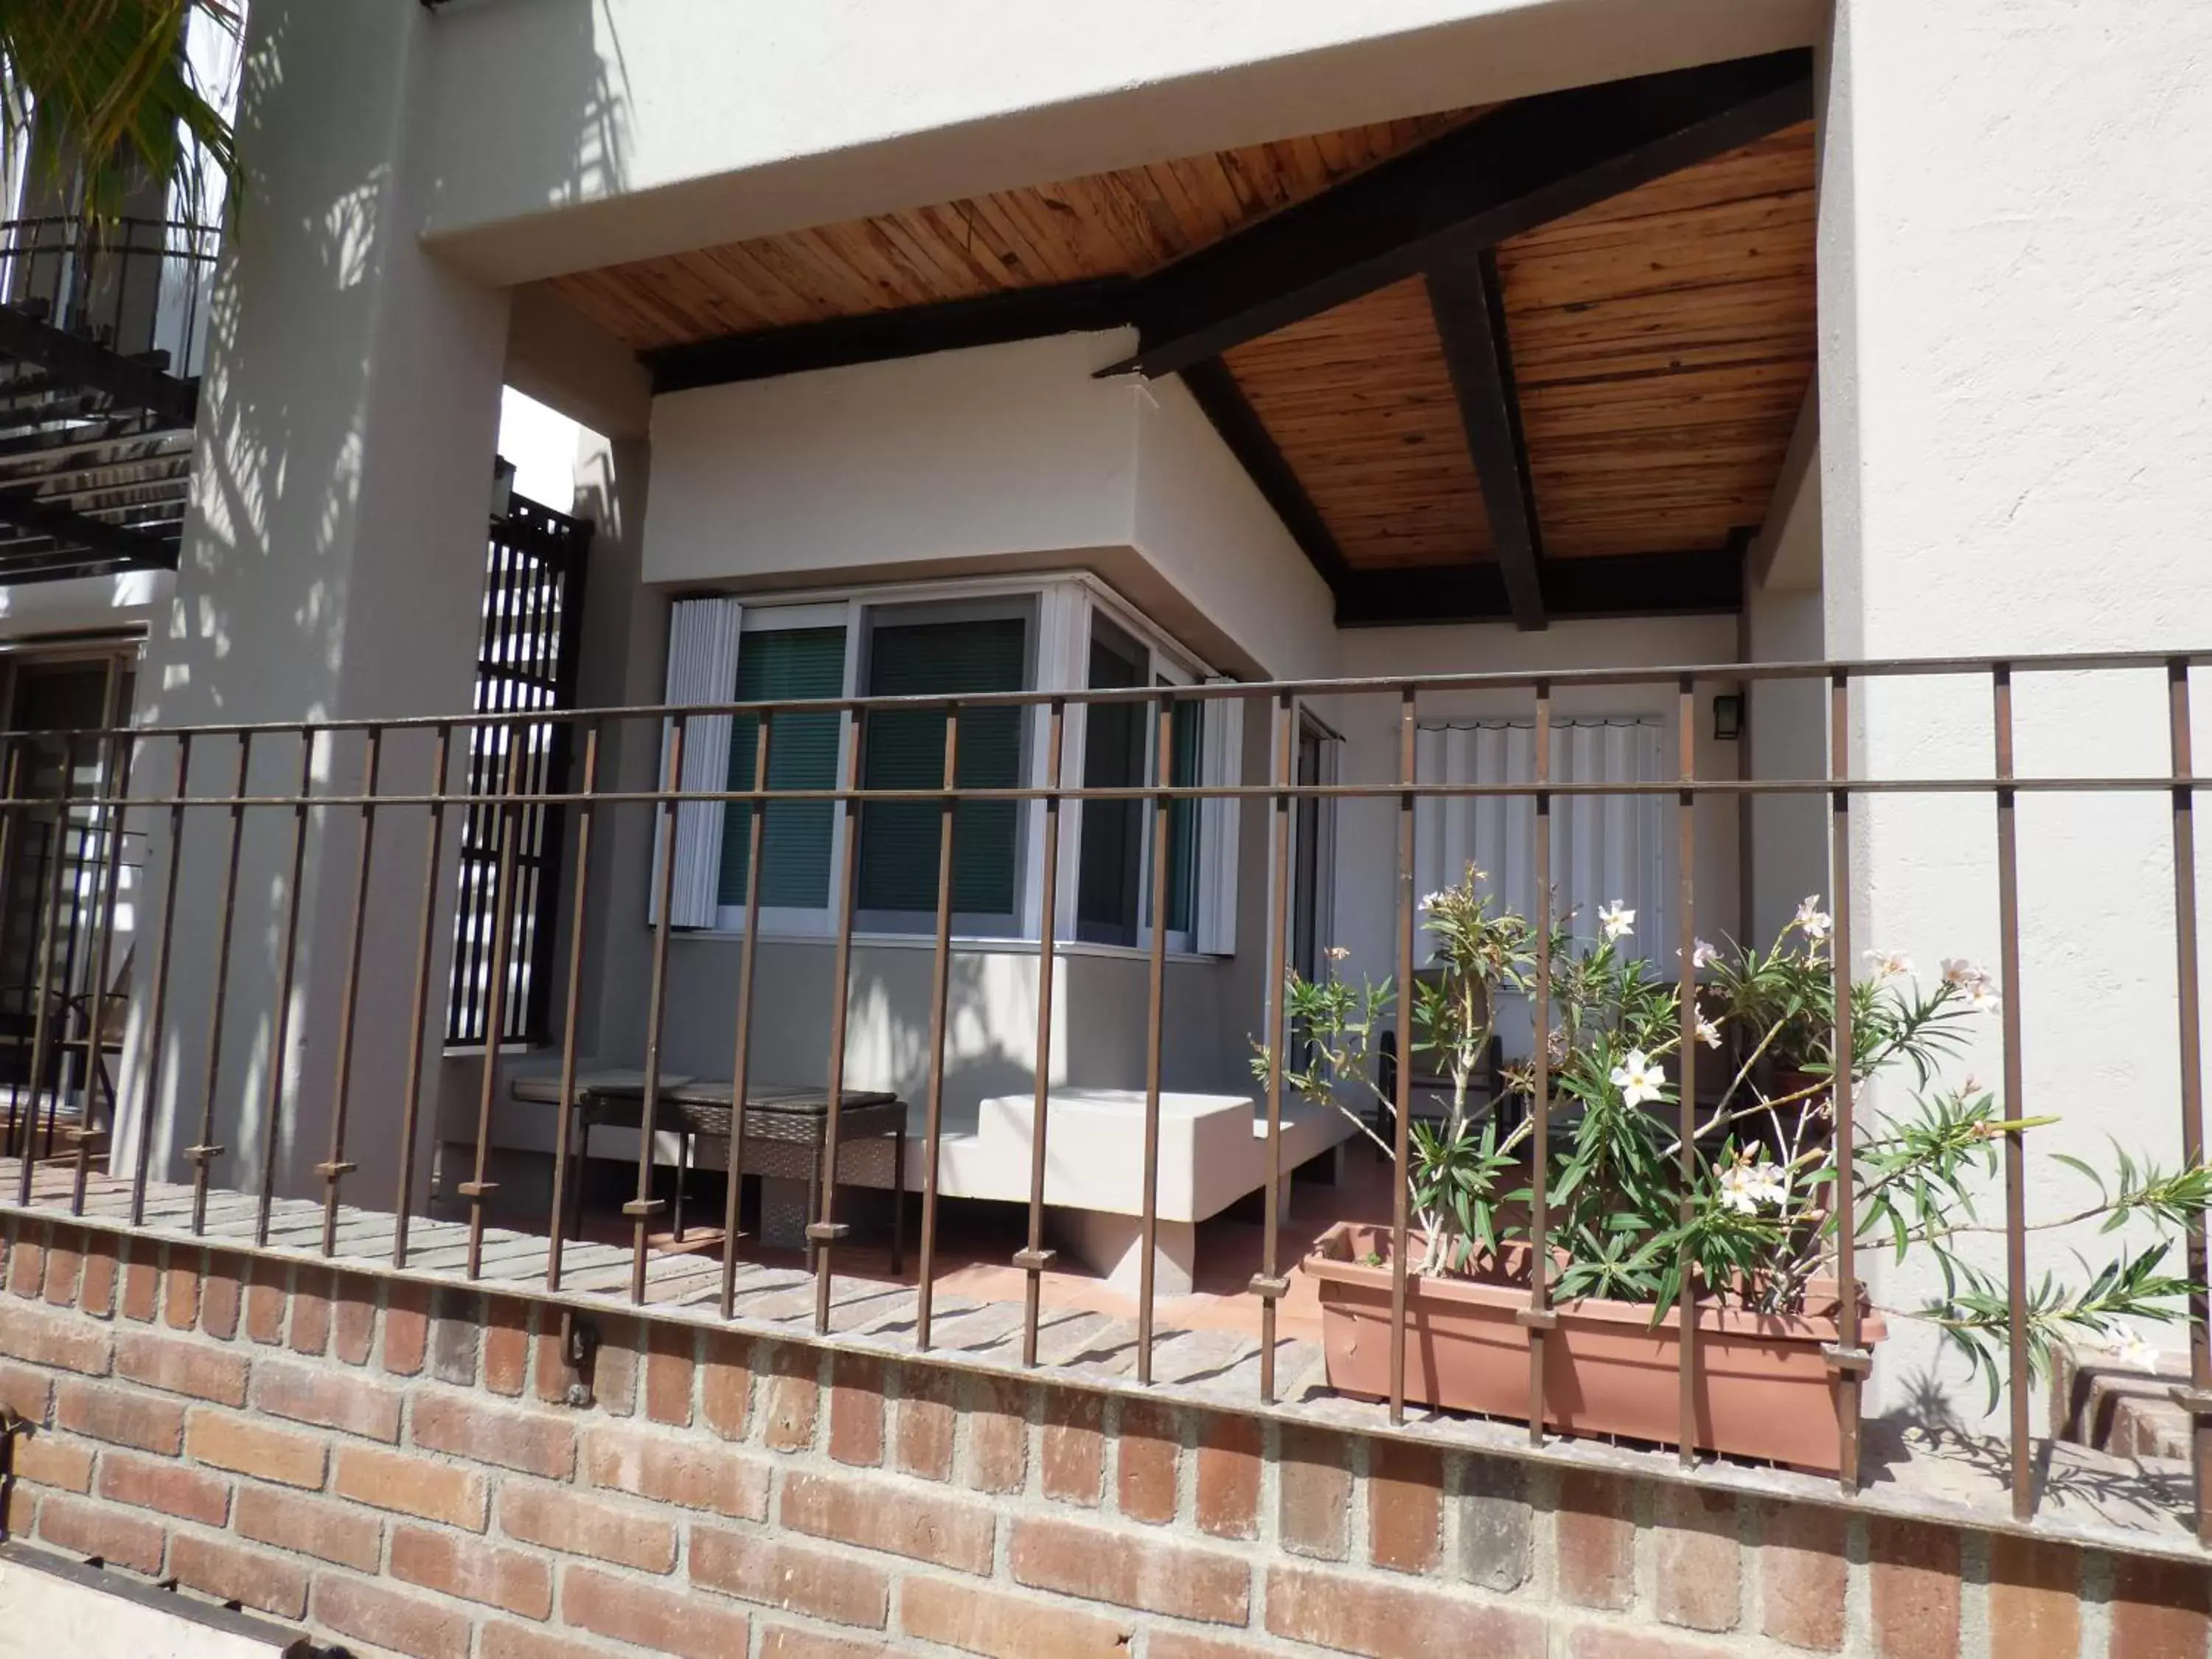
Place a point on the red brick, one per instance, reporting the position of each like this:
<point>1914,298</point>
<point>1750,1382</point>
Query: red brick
<point>230,1573</point>
<point>120,1416</point>
<point>30,1394</point>
<point>1596,1541</point>
<point>1914,1585</point>
<point>504,1641</point>
<point>156,1482</point>
<point>313,1526</point>
<point>926,1420</point>
<point>1803,1577</point>
<point>506,1345</point>
<point>65,1262</point>
<point>181,1366</point>
<point>406,1327</point>
<point>411,1485</point>
<point>1175,1644</point>
<point>665,1621</point>
<point>550,1371</point>
<point>2159,1608</point>
<point>667,1470</point>
<point>556,1519</point>
<point>1229,1453</point>
<point>856,1409</point>
<point>2035,1598</point>
<point>1152,1575</point>
<point>311,1309</point>
<point>353,1320</point>
<point>117,1536</point>
<point>1385,1619</point>
<point>1612,1642</point>
<point>57,1340</point>
<point>615,1367</point>
<point>1072,1451</point>
<point>26,1262</point>
<point>725,1385</point>
<point>783,1642</point>
<point>472,1569</point>
<point>142,1280</point>
<point>997,1434</point>
<point>221,1294</point>
<point>97,1295</point>
<point>1314,1492</point>
<point>391,1620</point>
<point>790,1399</point>
<point>45,1461</point>
<point>790,1576</point>
<point>1700,1567</point>
<point>514,1437</point>
<point>1405,1506</point>
<point>1002,1626</point>
<point>255,1449</point>
<point>265,1302</point>
<point>329,1399</point>
<point>456,1336</point>
<point>180,1295</point>
<point>668,1371</point>
<point>948,1531</point>
<point>1147,1454</point>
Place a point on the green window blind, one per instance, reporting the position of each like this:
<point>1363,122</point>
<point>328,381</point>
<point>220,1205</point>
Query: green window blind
<point>773,665</point>
<point>1183,815</point>
<point>905,749</point>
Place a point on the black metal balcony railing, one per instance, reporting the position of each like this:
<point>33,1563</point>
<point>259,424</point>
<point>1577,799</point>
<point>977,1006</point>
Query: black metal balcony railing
<point>136,287</point>
<point>350,749</point>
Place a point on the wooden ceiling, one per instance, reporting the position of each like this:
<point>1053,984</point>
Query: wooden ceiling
<point>1378,320</point>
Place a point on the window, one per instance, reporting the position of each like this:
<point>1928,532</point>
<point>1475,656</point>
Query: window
<point>778,664</point>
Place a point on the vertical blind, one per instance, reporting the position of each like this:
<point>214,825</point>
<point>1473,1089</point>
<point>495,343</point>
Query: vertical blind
<point>1604,848</point>
<point>774,667</point>
<point>703,667</point>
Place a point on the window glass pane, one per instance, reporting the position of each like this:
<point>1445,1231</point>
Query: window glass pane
<point>773,664</point>
<point>1111,872</point>
<point>905,749</point>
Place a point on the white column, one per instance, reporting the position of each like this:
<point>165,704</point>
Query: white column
<point>2017,457</point>
<point>332,567</point>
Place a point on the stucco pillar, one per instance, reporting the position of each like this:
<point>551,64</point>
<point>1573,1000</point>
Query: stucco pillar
<point>2017,457</point>
<point>333,567</point>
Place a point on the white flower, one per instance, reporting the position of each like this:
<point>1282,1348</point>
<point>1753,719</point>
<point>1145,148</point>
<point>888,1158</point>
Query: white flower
<point>1638,1078</point>
<point>1338,952</point>
<point>1748,1187</point>
<point>1618,922</point>
<point>2130,1350</point>
<point>1708,1033</point>
<point>1434,901</point>
<point>1974,981</point>
<point>1812,920</point>
<point>1888,964</point>
<point>1702,954</point>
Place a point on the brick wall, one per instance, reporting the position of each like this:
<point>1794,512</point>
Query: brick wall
<point>395,1467</point>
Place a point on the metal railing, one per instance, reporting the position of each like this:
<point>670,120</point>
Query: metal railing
<point>135,286</point>
<point>360,749</point>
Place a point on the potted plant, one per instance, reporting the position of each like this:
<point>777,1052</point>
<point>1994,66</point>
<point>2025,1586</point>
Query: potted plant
<point>1753,1225</point>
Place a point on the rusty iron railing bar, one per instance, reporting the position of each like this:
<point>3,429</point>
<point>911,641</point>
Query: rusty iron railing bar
<point>477,1188</point>
<point>204,1150</point>
<point>741,1060</point>
<point>2020,1446</point>
<point>940,982</point>
<point>1848,1360</point>
<point>1034,1258</point>
<point>334,1169</point>
<point>425,953</point>
<point>1270,1283</point>
<point>1538,1315</point>
<point>2197,1398</point>
<point>25,1123</point>
<point>571,1017</point>
<point>642,1208</point>
<point>158,1007</point>
<point>1401,1131</point>
<point>123,758</point>
<point>823,1234</point>
<point>10,807</point>
<point>1148,1228</point>
<point>103,753</point>
<point>272,1116</point>
<point>1686,720</point>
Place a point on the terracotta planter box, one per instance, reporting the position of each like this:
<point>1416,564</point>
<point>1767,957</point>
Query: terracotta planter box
<point>1763,1390</point>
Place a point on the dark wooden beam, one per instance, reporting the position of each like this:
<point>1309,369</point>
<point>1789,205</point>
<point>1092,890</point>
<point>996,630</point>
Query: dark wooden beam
<point>1468,304</point>
<point>911,331</point>
<point>1623,585</point>
<point>84,363</point>
<point>136,548</point>
<point>1522,165</point>
<point>1224,402</point>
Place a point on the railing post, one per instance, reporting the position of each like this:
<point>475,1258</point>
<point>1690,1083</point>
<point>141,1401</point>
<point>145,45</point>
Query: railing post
<point>642,1209</point>
<point>939,987</point>
<point>823,1235</point>
<point>1401,1132</point>
<point>1848,1361</point>
<point>204,1149</point>
<point>1155,1030</point>
<point>1270,1285</point>
<point>2015,1168</point>
<point>1034,1258</point>
<point>334,1168</point>
<point>425,942</point>
<point>273,1112</point>
<point>572,1009</point>
<point>158,1007</point>
<point>1538,1316</point>
<point>124,750</point>
<point>741,1060</point>
<point>2197,1398</point>
<point>1685,854</point>
<point>42,974</point>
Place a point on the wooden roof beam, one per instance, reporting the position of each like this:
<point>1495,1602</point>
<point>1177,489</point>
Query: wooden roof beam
<point>1524,164</point>
<point>1469,303</point>
<point>1614,585</point>
<point>1224,403</point>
